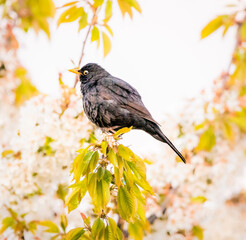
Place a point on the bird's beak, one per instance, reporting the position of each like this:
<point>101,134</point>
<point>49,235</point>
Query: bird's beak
<point>75,70</point>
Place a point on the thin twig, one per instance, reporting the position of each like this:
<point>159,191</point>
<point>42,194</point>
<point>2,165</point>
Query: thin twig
<point>84,43</point>
<point>237,43</point>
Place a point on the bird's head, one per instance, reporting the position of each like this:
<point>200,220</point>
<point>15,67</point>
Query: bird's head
<point>90,72</point>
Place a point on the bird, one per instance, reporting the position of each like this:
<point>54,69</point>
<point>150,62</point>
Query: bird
<point>112,103</point>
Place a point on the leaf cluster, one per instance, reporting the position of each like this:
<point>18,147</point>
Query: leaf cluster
<point>110,173</point>
<point>96,15</point>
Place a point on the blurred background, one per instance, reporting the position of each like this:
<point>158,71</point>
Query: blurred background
<point>188,62</point>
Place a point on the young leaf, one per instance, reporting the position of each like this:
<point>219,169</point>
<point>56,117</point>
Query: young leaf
<point>114,230</point>
<point>83,21</point>
<point>112,157</point>
<point>109,29</point>
<point>134,4</point>
<point>198,232</point>
<point>93,161</point>
<point>77,195</point>
<point>32,227</point>
<point>126,203</point>
<point>98,3</point>
<point>106,44</point>
<point>6,223</point>
<point>69,4</point>
<point>198,199</point>
<point>118,172</point>
<point>125,153</point>
<point>104,146</point>
<point>125,8</point>
<point>70,15</point>
<point>103,194</point>
<point>95,36</point>
<point>207,140</point>
<point>51,227</point>
<point>212,26</point>
<point>75,233</point>
<point>122,131</point>
<point>136,231</point>
<point>108,11</point>
<point>63,222</point>
<point>62,191</point>
<point>96,228</point>
<point>243,32</point>
<point>78,165</point>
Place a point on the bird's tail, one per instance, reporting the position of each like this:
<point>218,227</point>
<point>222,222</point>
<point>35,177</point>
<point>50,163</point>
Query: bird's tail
<point>159,135</point>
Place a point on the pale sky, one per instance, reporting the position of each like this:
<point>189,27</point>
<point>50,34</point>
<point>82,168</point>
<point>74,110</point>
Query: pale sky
<point>159,52</point>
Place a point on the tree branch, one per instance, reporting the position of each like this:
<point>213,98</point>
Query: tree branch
<point>84,42</point>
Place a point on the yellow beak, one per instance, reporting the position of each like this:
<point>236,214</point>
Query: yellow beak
<point>75,70</point>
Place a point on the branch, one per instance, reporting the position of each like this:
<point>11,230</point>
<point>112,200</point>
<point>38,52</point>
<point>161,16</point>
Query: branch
<point>84,43</point>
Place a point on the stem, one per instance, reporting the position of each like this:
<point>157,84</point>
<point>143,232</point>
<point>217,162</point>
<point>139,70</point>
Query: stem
<point>84,42</point>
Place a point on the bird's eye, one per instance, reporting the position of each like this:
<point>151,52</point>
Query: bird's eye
<point>85,72</point>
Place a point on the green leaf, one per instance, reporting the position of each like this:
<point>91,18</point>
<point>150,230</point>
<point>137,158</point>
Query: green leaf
<point>78,165</point>
<point>103,194</point>
<point>126,203</point>
<point>108,235</point>
<point>135,231</point>
<point>92,185</point>
<point>112,157</point>
<point>108,11</point>
<point>83,22</point>
<point>75,233</point>
<point>141,211</point>
<point>125,153</point>
<point>114,230</point>
<point>198,199</point>
<point>139,169</point>
<point>95,36</point>
<point>118,172</point>
<point>144,185</point>
<point>104,146</point>
<point>25,90</point>
<point>6,223</point>
<point>62,191</point>
<point>93,161</point>
<point>128,177</point>
<point>122,131</point>
<point>107,176</point>
<point>97,227</point>
<point>198,232</point>
<point>106,44</point>
<point>212,26</point>
<point>207,140</point>
<point>100,173</point>
<point>77,195</point>
<point>63,222</point>
<point>51,227</point>
<point>86,164</point>
<point>32,227</point>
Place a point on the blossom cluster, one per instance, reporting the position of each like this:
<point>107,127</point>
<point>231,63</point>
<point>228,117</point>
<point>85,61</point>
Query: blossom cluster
<point>206,197</point>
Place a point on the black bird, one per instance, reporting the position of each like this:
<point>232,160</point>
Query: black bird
<point>112,103</point>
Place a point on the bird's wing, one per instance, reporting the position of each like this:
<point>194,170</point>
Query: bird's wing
<point>126,96</point>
